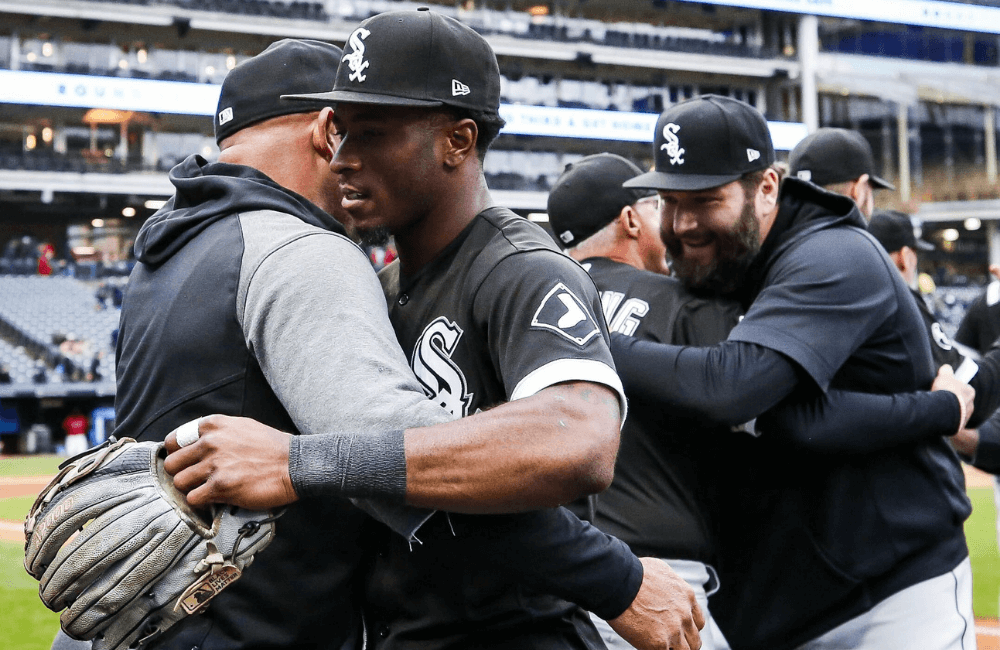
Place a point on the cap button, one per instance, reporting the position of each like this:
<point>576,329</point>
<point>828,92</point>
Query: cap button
<point>423,8</point>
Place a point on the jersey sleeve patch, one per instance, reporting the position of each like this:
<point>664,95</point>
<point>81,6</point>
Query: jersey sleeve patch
<point>563,313</point>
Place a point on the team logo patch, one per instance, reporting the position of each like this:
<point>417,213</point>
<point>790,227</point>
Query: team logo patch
<point>459,88</point>
<point>563,313</point>
<point>442,379</point>
<point>226,116</point>
<point>356,59</point>
<point>672,144</point>
<point>940,337</point>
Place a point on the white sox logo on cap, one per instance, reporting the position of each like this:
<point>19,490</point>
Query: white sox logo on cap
<point>672,145</point>
<point>355,60</point>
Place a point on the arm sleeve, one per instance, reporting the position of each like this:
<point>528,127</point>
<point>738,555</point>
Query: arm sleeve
<point>988,452</point>
<point>860,423</point>
<point>547,326</point>
<point>968,329</point>
<point>730,383</point>
<point>555,553</point>
<point>314,316</point>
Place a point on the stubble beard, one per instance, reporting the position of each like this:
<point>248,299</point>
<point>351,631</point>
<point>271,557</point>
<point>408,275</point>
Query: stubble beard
<point>372,236</point>
<point>735,251</point>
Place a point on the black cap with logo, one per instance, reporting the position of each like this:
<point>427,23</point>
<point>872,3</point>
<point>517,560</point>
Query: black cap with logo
<point>589,195</point>
<point>416,58</point>
<point>706,142</point>
<point>833,155</point>
<point>894,229</point>
<point>251,91</point>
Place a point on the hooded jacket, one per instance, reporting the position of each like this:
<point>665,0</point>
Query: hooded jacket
<point>816,538</point>
<point>248,300</point>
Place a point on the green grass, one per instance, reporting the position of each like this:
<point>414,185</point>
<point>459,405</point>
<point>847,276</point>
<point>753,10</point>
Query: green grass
<point>15,508</point>
<point>981,533</point>
<point>29,465</point>
<point>25,624</point>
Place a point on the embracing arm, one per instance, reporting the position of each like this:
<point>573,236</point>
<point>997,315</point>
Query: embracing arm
<point>729,383</point>
<point>535,452</point>
<point>859,423</point>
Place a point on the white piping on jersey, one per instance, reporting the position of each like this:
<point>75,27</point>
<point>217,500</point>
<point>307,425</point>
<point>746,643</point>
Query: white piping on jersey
<point>966,370</point>
<point>562,370</point>
<point>993,293</point>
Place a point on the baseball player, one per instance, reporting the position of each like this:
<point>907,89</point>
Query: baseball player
<point>840,161</point>
<point>980,330</point>
<point>517,321</point>
<point>846,550</point>
<point>661,499</point>
<point>248,293</point>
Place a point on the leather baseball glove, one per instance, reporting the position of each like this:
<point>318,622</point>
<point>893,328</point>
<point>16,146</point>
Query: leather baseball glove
<point>115,545</point>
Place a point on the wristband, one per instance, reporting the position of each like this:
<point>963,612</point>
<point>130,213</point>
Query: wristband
<point>349,465</point>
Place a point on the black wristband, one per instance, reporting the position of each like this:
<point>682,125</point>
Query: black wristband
<point>349,465</point>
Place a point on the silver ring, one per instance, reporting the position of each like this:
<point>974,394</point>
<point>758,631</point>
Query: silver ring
<point>187,433</point>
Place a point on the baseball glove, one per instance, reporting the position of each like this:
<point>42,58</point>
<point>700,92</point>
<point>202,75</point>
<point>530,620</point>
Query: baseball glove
<point>116,545</point>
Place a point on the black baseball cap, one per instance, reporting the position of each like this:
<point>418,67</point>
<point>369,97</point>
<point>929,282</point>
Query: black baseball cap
<point>416,58</point>
<point>588,195</point>
<point>251,91</point>
<point>832,156</point>
<point>894,229</point>
<point>706,142</point>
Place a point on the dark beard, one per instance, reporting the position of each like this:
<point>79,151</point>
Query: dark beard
<point>736,250</point>
<point>377,236</point>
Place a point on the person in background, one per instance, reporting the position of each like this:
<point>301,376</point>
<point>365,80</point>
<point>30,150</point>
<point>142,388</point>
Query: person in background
<point>661,501</point>
<point>839,161</point>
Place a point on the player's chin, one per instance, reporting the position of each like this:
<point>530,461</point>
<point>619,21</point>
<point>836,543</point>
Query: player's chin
<point>368,234</point>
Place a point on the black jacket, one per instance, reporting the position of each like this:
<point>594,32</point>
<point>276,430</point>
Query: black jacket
<point>181,355</point>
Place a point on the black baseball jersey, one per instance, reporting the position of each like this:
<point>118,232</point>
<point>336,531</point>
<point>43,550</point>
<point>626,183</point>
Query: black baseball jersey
<point>660,500</point>
<point>981,325</point>
<point>500,314</point>
<point>942,348</point>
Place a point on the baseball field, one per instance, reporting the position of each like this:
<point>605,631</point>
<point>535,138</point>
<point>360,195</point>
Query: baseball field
<point>26,625</point>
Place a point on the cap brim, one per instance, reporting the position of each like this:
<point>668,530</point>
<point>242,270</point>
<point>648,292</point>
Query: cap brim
<point>679,182</point>
<point>924,245</point>
<point>354,97</point>
<point>880,183</point>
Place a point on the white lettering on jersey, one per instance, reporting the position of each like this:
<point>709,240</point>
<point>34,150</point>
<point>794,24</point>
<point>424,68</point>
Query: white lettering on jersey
<point>442,379</point>
<point>623,316</point>
<point>562,312</point>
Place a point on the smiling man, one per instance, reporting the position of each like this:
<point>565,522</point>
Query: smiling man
<point>863,549</point>
<point>486,308</point>
<point>496,324</point>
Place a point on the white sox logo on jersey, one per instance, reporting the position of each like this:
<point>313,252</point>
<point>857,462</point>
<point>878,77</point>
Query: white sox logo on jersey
<point>940,337</point>
<point>442,379</point>
<point>672,144</point>
<point>355,60</point>
<point>563,313</point>
<point>623,315</point>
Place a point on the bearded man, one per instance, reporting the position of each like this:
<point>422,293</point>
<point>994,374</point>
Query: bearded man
<point>846,525</point>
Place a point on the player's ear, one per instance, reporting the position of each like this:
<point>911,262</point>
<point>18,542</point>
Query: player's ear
<point>768,188</point>
<point>628,220</point>
<point>461,144</point>
<point>324,140</point>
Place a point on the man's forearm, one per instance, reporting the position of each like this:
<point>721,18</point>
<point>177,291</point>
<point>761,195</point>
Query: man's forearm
<point>536,452</point>
<point>860,423</point>
<point>730,383</point>
<point>553,552</point>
